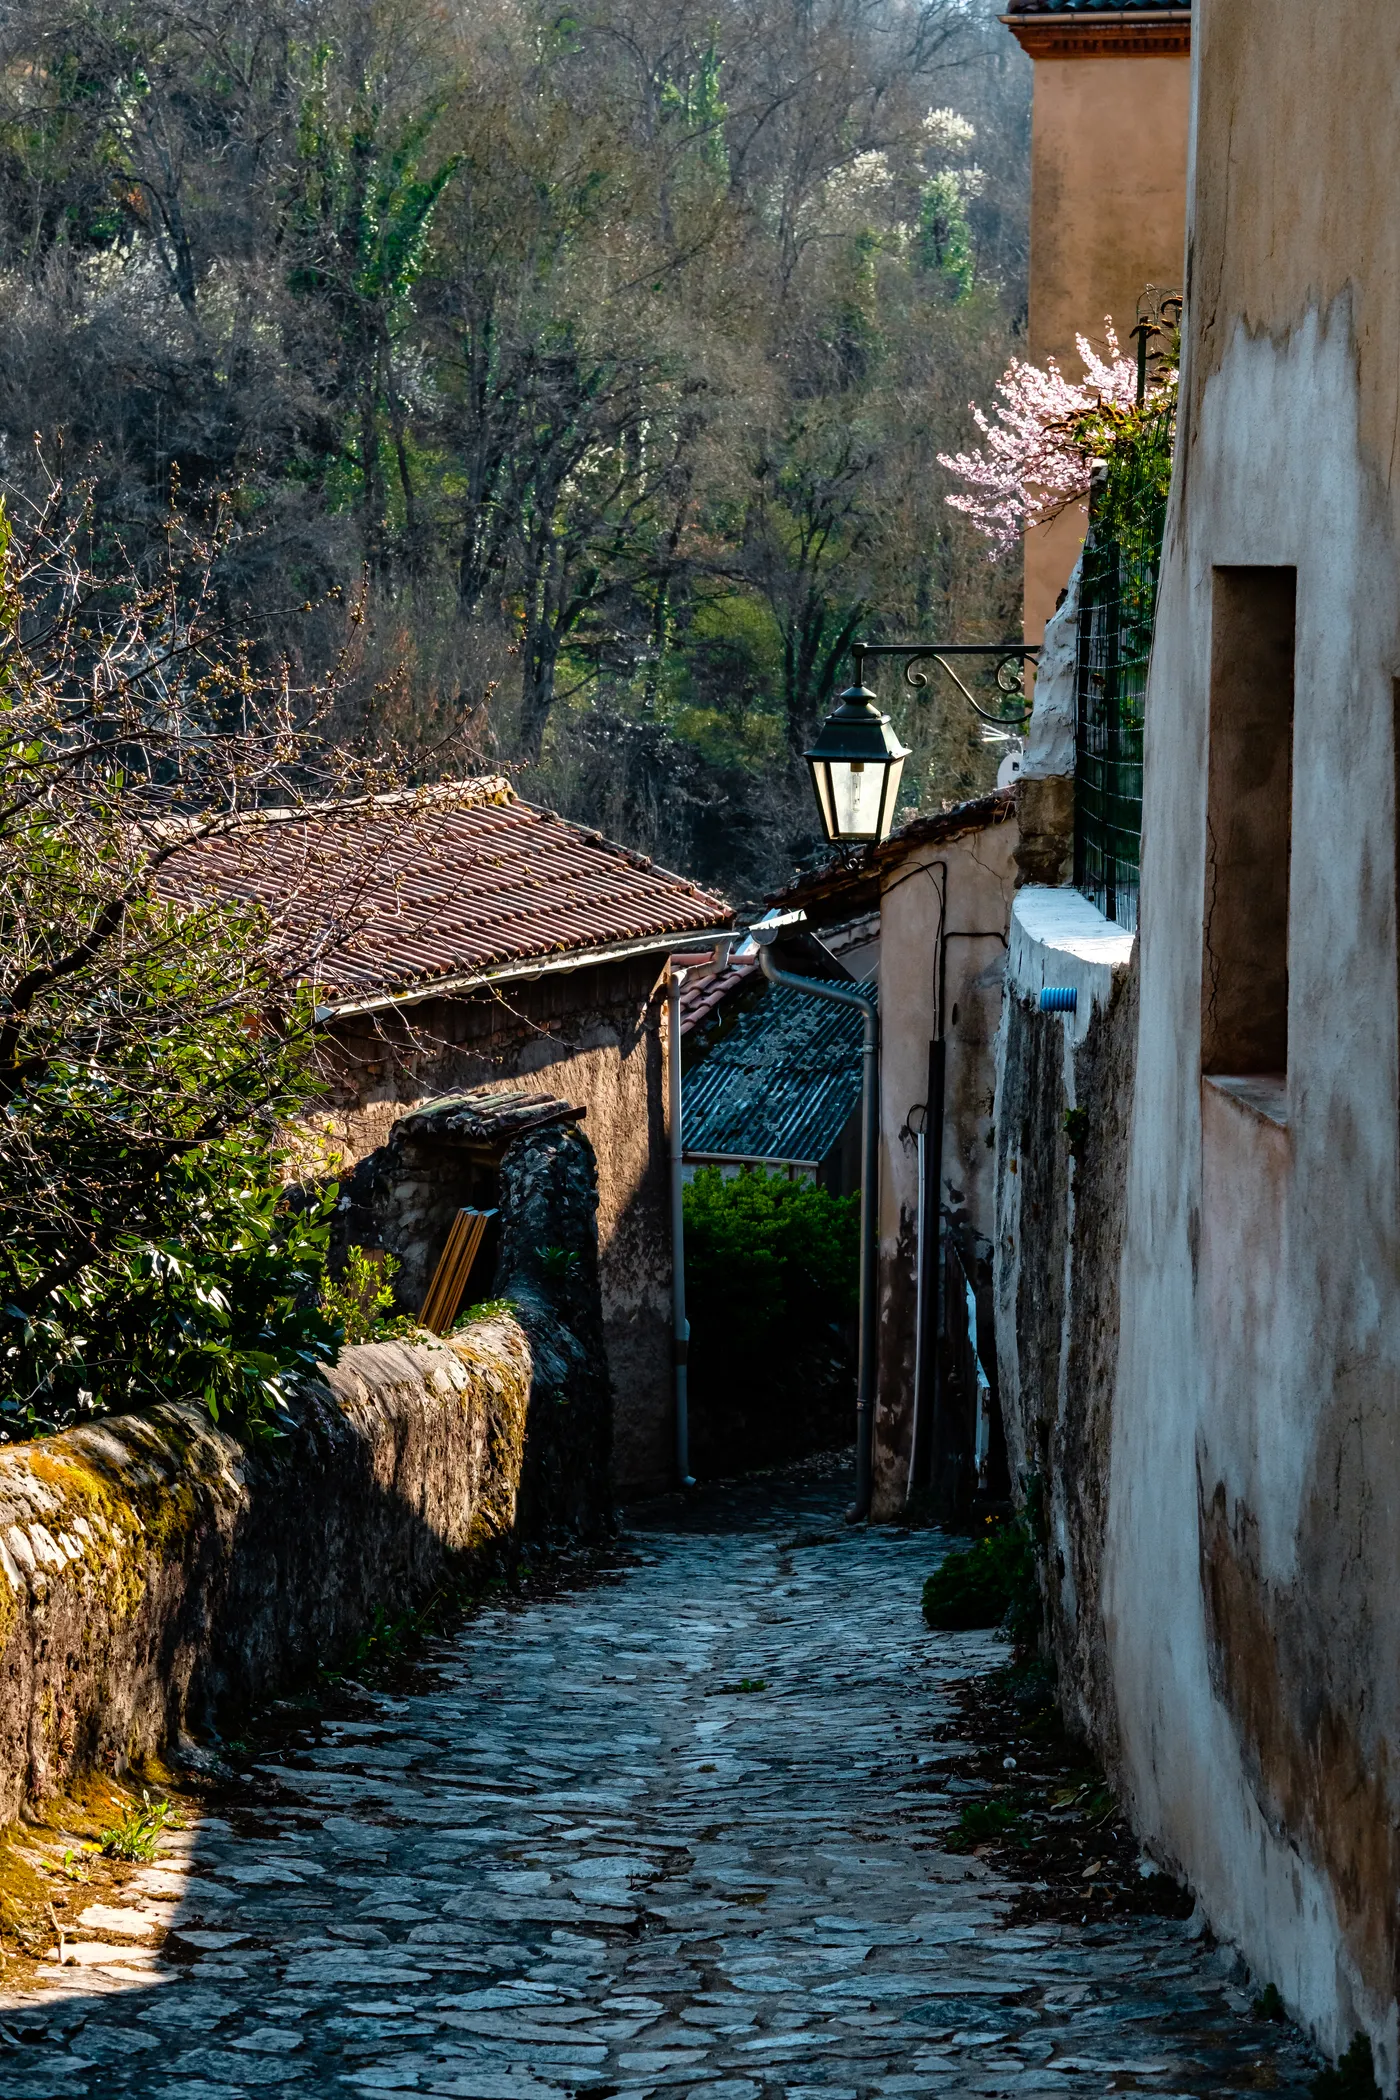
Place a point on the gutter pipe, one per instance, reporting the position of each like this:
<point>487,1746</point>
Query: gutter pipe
<point>680,1325</point>
<point>842,995</point>
<point>676,975</point>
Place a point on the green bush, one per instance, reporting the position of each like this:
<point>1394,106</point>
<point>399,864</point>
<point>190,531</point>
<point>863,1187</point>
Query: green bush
<point>361,1298</point>
<point>1354,2077</point>
<point>988,1583</point>
<point>220,1305</point>
<point>772,1288</point>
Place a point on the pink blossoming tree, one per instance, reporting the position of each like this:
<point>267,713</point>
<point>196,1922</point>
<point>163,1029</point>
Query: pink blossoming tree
<point>1041,439</point>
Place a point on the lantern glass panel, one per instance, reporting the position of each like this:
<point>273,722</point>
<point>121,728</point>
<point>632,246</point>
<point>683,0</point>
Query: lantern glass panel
<point>857,797</point>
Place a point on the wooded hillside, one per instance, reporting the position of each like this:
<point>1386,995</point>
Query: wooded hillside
<point>610,345</point>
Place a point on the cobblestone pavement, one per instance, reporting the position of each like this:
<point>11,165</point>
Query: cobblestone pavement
<point>670,1835</point>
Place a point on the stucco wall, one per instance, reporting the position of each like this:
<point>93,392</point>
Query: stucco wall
<point>981,877</point>
<point>1252,1604</point>
<point>1108,217</point>
<point>596,1038</point>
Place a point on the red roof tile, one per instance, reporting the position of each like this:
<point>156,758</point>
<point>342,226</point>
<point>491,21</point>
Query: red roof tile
<point>413,893</point>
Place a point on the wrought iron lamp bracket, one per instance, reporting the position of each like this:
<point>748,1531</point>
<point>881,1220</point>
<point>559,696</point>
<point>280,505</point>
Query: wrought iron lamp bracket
<point>1009,660</point>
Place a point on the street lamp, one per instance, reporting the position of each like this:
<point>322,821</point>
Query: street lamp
<point>857,761</point>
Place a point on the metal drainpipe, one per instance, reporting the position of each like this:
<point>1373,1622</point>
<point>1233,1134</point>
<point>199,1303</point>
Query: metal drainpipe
<point>680,1326</point>
<point>815,988</point>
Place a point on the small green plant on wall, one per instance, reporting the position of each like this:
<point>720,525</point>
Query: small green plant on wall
<point>361,1298</point>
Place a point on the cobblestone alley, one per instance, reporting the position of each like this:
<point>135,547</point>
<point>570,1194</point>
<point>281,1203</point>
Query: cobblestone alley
<point>674,1834</point>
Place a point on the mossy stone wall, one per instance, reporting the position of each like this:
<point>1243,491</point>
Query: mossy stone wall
<point>155,1574</point>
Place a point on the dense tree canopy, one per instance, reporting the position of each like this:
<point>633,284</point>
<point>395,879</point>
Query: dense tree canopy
<point>613,344</point>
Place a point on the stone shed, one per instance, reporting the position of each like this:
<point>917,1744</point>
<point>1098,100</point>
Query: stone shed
<point>459,940</point>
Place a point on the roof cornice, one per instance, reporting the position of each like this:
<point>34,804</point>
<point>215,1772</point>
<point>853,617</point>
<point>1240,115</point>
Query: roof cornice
<point>1162,33</point>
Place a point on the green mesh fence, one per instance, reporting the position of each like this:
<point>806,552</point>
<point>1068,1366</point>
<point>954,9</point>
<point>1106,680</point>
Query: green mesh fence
<point>1117,604</point>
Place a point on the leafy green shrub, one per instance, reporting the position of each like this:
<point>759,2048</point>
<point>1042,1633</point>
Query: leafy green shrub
<point>772,1285</point>
<point>153,1043</point>
<point>987,1583</point>
<point>361,1298</point>
<point>220,1304</point>
<point>1353,2078</point>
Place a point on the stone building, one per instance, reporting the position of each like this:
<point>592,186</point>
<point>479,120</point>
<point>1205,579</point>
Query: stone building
<point>462,940</point>
<point>1110,110</point>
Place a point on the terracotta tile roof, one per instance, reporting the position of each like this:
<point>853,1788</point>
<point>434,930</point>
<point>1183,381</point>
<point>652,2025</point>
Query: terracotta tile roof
<point>418,893</point>
<point>486,1120</point>
<point>1098,7</point>
<point>700,996</point>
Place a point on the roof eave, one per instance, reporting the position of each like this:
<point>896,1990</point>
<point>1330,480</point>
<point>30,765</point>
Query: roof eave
<point>523,967</point>
<point>856,886</point>
<point>1159,33</point>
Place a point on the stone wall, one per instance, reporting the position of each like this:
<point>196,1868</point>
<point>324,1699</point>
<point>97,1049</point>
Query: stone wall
<point>1064,1089</point>
<point>156,1575</point>
<point>594,1037</point>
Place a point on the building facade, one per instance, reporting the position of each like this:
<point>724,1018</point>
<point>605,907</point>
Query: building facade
<point>464,939</point>
<point>943,887</point>
<point>1251,1600</point>
<point>1109,121</point>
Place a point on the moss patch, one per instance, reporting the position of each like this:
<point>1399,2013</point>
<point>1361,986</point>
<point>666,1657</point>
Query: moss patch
<point>48,1876</point>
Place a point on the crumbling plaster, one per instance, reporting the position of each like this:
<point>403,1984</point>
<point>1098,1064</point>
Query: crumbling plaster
<point>1251,1601</point>
<point>981,877</point>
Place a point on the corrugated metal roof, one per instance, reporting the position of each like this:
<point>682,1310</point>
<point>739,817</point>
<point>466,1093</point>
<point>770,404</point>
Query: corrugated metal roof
<point>395,895</point>
<point>780,1085</point>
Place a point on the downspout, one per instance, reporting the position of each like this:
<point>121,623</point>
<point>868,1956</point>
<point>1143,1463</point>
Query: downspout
<point>929,1287</point>
<point>680,1325</point>
<point>841,995</point>
<point>676,975</point>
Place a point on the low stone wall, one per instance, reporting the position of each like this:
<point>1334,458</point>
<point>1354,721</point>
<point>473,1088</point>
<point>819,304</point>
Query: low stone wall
<point>1064,1092</point>
<point>159,1575</point>
<point>156,1575</point>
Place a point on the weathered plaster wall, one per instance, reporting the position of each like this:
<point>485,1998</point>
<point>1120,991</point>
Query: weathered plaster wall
<point>1108,217</point>
<point>981,876</point>
<point>594,1037</point>
<point>1252,1605</point>
<point>1064,1095</point>
<point>156,1575</point>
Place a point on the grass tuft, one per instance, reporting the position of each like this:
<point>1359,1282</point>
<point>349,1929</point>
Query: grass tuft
<point>135,1836</point>
<point>991,1582</point>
